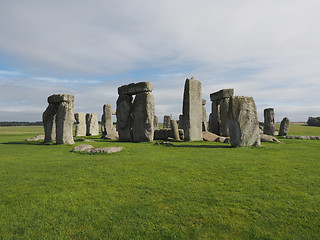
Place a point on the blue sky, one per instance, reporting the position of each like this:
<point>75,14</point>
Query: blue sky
<point>265,49</point>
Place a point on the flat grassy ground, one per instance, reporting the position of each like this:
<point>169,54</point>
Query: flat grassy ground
<point>193,190</point>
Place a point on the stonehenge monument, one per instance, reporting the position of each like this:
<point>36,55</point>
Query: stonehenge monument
<point>192,110</point>
<point>218,118</point>
<point>135,118</point>
<point>58,119</point>
<point>80,119</point>
<point>107,129</point>
<point>243,122</point>
<point>284,127</point>
<point>269,124</point>
<point>92,124</point>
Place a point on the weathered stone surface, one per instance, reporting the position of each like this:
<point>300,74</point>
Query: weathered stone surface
<point>36,138</point>
<point>175,130</point>
<point>269,124</point>
<point>209,136</point>
<point>92,124</point>
<point>155,122</point>
<point>284,127</point>
<point>107,128</point>
<point>243,122</point>
<point>103,150</point>
<point>268,138</point>
<point>81,148</point>
<point>165,134</point>
<point>224,93</point>
<point>181,122</point>
<point>192,110</point>
<point>167,121</point>
<point>224,123</point>
<point>49,123</point>
<point>214,118</point>
<point>204,116</point>
<point>135,88</point>
<point>80,119</point>
<point>143,117</point>
<point>59,98</point>
<point>124,118</point>
<point>64,123</point>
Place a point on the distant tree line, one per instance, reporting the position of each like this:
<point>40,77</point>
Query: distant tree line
<point>314,121</point>
<point>9,124</point>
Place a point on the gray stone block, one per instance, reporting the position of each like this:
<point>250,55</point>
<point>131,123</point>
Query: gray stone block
<point>64,123</point>
<point>92,124</point>
<point>269,127</point>
<point>124,117</point>
<point>135,88</point>
<point>224,93</point>
<point>59,98</point>
<point>192,110</point>
<point>284,127</point>
<point>243,122</point>
<point>80,119</point>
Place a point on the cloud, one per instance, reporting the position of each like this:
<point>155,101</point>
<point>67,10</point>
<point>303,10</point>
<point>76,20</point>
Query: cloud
<point>268,50</point>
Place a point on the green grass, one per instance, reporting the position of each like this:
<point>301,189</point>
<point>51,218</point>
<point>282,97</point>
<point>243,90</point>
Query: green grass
<point>193,190</point>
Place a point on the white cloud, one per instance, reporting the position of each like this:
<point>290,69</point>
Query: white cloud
<point>266,49</point>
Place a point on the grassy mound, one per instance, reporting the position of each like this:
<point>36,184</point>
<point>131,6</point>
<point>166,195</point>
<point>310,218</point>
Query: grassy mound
<point>191,190</point>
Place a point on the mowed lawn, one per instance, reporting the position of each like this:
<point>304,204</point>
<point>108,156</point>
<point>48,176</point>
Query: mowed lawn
<point>192,190</point>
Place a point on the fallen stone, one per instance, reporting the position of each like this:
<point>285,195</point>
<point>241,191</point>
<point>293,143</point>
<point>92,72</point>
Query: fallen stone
<point>81,148</point>
<point>268,138</point>
<point>36,138</point>
<point>167,144</point>
<point>210,137</point>
<point>135,88</point>
<point>103,150</point>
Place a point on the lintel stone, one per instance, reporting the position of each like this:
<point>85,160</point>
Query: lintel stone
<point>135,88</point>
<point>59,98</point>
<point>224,93</point>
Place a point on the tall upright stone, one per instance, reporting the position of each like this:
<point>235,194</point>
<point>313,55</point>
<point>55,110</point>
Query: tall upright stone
<point>143,117</point>
<point>92,124</point>
<point>175,130</point>
<point>107,128</point>
<point>49,123</point>
<point>181,122</point>
<point>192,110</point>
<point>284,127</point>
<point>58,119</point>
<point>80,119</point>
<point>204,116</point>
<point>243,122</point>
<point>155,122</point>
<point>218,119</point>
<point>124,117</point>
<point>167,121</point>
<point>269,124</point>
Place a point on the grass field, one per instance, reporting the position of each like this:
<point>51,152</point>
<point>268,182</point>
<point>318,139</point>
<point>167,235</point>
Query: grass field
<point>192,190</point>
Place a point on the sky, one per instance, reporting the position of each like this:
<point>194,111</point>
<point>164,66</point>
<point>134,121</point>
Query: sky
<point>269,50</point>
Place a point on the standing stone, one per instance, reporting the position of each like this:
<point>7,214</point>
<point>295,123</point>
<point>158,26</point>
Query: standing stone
<point>214,118</point>
<point>192,110</point>
<point>175,130</point>
<point>181,121</point>
<point>143,117</point>
<point>80,119</point>
<point>204,116</point>
<point>224,123</point>
<point>107,128</point>
<point>92,124</point>
<point>58,119</point>
<point>269,124</point>
<point>284,127</point>
<point>243,122</point>
<point>155,123</point>
<point>49,123</point>
<point>65,121</point>
<point>124,118</point>
<point>167,121</point>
